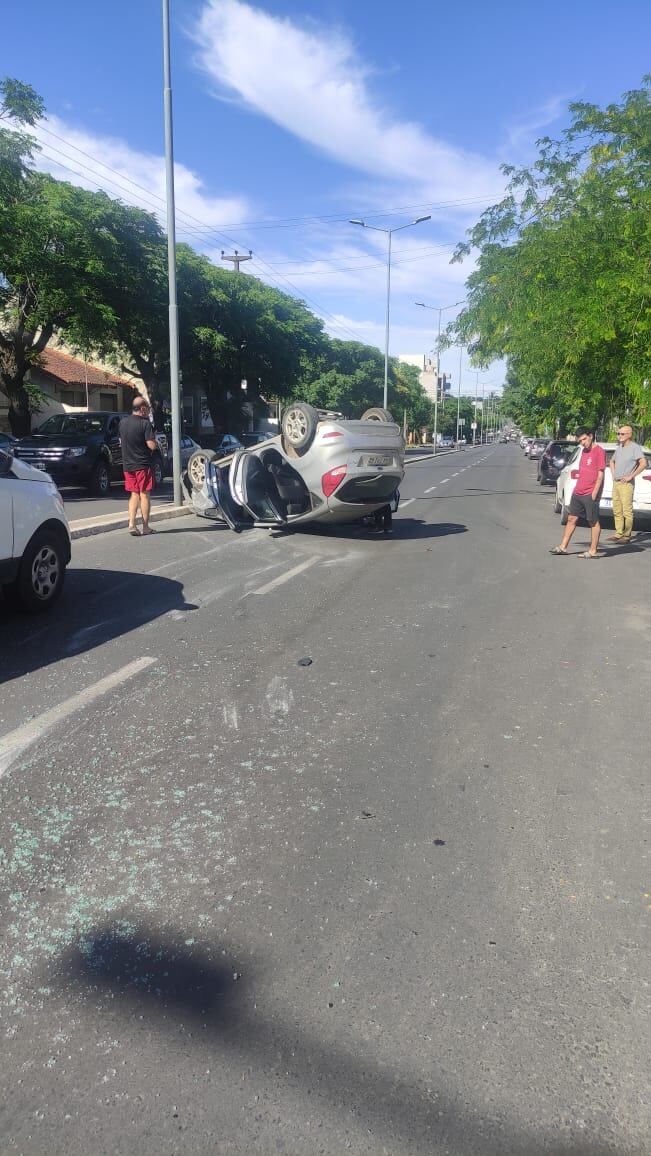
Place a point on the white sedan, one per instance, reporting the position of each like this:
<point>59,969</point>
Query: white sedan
<point>567,481</point>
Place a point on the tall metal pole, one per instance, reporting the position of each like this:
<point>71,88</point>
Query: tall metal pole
<point>459,394</point>
<point>438,376</point>
<point>385,403</point>
<point>175,387</point>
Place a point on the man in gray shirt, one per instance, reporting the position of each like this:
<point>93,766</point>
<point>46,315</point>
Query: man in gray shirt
<point>626,463</point>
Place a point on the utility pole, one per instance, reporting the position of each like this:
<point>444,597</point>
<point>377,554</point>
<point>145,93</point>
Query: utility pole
<point>236,258</point>
<point>175,383</point>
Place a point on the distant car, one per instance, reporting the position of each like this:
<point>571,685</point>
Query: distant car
<point>318,469</point>
<point>255,439</point>
<point>568,477</point>
<point>228,445</point>
<point>188,448</point>
<point>446,443</point>
<point>527,444</point>
<point>553,460</point>
<point>537,448</point>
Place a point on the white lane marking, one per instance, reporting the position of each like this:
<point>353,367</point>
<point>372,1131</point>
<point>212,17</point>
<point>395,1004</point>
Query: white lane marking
<point>405,502</point>
<point>14,743</point>
<point>430,489</point>
<point>443,480</point>
<point>455,475</point>
<point>284,577</point>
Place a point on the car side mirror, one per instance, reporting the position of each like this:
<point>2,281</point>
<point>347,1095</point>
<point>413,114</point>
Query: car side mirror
<point>559,463</point>
<point>6,462</point>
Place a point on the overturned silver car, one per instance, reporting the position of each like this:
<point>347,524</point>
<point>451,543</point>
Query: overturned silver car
<point>319,468</point>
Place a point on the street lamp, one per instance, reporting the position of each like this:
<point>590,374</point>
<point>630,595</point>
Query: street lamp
<point>389,233</point>
<point>175,378</point>
<point>437,309</point>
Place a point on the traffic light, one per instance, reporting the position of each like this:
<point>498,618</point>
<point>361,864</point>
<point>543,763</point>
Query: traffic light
<point>441,387</point>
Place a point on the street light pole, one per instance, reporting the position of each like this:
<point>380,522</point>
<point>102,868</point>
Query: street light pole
<point>175,382</point>
<point>457,440</point>
<point>389,233</point>
<point>437,309</point>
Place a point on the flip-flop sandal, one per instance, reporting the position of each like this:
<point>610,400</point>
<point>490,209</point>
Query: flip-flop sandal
<point>146,533</point>
<point>587,554</point>
<point>135,533</point>
<point>557,550</point>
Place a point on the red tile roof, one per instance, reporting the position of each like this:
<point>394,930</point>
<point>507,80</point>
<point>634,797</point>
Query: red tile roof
<point>75,371</point>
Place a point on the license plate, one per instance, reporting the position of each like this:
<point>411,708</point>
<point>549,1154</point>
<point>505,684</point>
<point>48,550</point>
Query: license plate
<point>606,502</point>
<point>379,459</point>
<point>39,465</point>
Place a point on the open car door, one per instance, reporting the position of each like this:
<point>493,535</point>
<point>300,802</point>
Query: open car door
<point>253,487</point>
<point>233,515</point>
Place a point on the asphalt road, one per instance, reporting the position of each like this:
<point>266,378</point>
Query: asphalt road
<point>392,901</point>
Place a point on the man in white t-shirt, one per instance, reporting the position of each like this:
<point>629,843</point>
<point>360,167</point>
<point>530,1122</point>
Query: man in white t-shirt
<point>626,463</point>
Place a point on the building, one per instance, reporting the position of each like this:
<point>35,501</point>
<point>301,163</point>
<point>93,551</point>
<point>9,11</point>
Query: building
<point>70,383</point>
<point>428,376</point>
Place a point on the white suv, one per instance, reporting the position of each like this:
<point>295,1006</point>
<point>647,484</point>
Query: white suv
<point>34,535</point>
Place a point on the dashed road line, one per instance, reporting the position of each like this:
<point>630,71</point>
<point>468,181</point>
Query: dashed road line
<point>286,577</point>
<point>16,741</point>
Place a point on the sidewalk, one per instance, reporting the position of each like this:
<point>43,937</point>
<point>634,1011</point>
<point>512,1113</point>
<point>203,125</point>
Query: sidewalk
<point>86,527</point>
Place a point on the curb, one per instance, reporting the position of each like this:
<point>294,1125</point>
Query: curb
<point>88,527</point>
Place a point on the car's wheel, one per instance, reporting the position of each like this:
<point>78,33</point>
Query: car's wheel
<point>377,414</point>
<point>197,463</point>
<point>565,513</point>
<point>100,481</point>
<point>158,471</point>
<point>557,505</point>
<point>298,426</point>
<point>42,573</point>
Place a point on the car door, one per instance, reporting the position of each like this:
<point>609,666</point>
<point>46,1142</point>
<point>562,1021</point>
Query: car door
<point>217,483</point>
<point>254,488</point>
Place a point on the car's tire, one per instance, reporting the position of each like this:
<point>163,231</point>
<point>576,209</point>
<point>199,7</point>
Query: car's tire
<point>196,468</point>
<point>298,426</point>
<point>158,470</point>
<point>100,479</point>
<point>565,513</point>
<point>42,573</point>
<point>557,506</point>
<point>376,413</point>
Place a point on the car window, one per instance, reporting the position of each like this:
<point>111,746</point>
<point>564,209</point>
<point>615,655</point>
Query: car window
<point>72,423</point>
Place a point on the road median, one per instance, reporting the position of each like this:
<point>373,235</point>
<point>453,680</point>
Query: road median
<point>88,527</point>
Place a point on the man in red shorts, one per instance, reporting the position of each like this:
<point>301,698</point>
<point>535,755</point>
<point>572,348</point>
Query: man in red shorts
<point>584,502</point>
<point>138,443</point>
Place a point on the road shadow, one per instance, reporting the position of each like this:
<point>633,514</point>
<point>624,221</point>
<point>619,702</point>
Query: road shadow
<point>403,529</point>
<point>147,975</point>
<point>95,607</point>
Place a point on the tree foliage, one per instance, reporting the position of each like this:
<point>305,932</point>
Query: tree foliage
<point>562,286</point>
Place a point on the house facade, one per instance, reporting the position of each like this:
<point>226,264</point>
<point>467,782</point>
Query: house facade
<point>71,383</point>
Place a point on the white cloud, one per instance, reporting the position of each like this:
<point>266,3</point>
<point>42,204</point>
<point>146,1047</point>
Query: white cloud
<point>311,81</point>
<point>91,161</point>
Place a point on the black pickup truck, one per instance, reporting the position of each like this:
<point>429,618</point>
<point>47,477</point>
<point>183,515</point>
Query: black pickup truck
<point>83,449</point>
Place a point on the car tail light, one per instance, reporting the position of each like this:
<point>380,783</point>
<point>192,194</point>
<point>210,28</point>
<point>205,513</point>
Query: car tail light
<point>574,474</point>
<point>332,433</point>
<point>646,477</point>
<point>332,479</point>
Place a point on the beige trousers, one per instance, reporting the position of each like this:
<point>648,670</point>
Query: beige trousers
<point>623,508</point>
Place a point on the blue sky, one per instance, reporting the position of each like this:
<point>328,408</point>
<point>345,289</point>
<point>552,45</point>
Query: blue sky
<point>290,118</point>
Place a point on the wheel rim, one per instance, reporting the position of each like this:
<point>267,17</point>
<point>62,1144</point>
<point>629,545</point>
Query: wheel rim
<point>158,473</point>
<point>296,425</point>
<point>46,572</point>
<point>197,470</point>
<point>102,479</point>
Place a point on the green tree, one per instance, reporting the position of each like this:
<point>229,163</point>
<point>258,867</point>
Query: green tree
<point>563,280</point>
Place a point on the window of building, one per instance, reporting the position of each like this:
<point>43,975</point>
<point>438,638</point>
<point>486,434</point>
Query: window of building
<point>108,401</point>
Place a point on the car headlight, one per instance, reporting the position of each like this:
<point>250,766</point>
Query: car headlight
<point>75,451</point>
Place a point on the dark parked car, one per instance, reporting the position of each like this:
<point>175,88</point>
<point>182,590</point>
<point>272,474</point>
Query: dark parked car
<point>83,449</point>
<point>255,439</point>
<point>7,441</point>
<point>228,444</point>
<point>554,459</point>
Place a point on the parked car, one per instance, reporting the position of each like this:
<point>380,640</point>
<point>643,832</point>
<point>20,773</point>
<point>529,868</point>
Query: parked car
<point>188,447</point>
<point>554,458</point>
<point>34,535</point>
<point>7,441</point>
<point>537,448</point>
<point>228,445</point>
<point>526,445</point>
<point>318,469</point>
<point>83,449</point>
<point>254,439</point>
<point>569,474</point>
